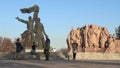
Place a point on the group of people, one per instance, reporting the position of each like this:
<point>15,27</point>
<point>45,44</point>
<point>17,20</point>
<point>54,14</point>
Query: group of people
<point>19,48</point>
<point>46,48</point>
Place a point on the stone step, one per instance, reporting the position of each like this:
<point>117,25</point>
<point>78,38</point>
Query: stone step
<point>26,55</point>
<point>23,55</point>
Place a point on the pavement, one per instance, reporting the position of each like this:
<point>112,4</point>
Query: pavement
<point>59,63</point>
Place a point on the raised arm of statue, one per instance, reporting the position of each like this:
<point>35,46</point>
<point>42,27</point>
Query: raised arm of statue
<point>21,20</point>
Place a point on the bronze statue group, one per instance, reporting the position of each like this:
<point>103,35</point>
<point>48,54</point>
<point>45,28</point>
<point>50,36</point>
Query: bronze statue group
<point>35,33</point>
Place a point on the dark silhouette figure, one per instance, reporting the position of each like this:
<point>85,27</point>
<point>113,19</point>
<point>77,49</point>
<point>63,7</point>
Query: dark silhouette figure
<point>33,49</point>
<point>19,48</point>
<point>74,47</point>
<point>46,48</point>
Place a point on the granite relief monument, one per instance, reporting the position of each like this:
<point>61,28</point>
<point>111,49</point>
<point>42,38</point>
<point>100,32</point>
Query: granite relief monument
<point>93,38</point>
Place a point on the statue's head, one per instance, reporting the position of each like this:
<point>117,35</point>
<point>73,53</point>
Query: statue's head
<point>78,28</point>
<point>86,26</point>
<point>73,28</point>
<point>90,26</point>
<point>38,20</point>
<point>93,26</point>
<point>30,18</point>
<point>99,27</point>
<point>104,28</point>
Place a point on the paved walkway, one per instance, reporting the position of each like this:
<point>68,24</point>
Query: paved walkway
<point>57,63</point>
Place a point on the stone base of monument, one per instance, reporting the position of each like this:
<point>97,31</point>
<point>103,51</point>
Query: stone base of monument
<point>98,56</point>
<point>101,50</point>
<point>91,56</point>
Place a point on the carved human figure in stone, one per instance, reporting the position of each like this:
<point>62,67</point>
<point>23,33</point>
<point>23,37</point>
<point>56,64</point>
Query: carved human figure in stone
<point>98,30</point>
<point>29,30</point>
<point>85,36</point>
<point>78,38</point>
<point>92,37</point>
<point>39,33</point>
<point>73,35</point>
<point>71,38</point>
<point>103,37</point>
<point>111,44</point>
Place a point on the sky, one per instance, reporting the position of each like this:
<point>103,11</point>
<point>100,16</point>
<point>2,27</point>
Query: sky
<point>58,16</point>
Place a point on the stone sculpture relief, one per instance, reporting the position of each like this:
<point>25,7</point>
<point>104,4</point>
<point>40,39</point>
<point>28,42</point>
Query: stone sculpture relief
<point>91,38</point>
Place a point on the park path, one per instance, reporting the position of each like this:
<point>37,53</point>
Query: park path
<point>58,63</point>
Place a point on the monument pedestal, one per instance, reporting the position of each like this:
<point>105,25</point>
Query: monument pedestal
<point>97,56</point>
<point>101,50</point>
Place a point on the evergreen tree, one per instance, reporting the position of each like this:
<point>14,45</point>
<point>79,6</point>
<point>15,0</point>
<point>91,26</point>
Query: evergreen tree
<point>117,31</point>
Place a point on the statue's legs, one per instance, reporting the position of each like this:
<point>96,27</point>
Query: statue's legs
<point>24,36</point>
<point>32,37</point>
<point>41,42</point>
<point>102,45</point>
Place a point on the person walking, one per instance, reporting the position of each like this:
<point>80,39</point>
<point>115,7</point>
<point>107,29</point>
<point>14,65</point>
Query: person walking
<point>74,46</point>
<point>19,48</point>
<point>46,48</point>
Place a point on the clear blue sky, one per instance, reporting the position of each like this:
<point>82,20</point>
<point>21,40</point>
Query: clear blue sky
<point>58,16</point>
